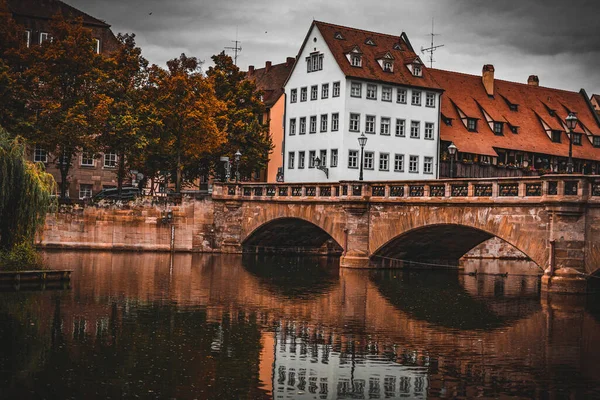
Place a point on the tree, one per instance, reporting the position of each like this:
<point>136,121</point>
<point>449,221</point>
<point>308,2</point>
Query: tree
<point>26,191</point>
<point>242,118</point>
<point>67,111</point>
<point>183,117</point>
<point>124,129</point>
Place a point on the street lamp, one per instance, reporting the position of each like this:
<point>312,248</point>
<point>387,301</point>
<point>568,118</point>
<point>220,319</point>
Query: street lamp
<point>452,151</point>
<point>571,124</point>
<point>237,155</point>
<point>321,167</point>
<point>362,141</point>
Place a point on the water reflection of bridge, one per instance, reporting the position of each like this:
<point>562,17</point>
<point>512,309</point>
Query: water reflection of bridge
<point>347,313</point>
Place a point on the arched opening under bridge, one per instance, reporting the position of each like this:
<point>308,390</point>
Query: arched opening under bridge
<point>293,235</point>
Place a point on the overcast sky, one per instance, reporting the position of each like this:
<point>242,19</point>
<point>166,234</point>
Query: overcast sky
<point>557,40</point>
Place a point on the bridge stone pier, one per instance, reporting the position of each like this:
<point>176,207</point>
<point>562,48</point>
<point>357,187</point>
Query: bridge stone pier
<point>554,220</point>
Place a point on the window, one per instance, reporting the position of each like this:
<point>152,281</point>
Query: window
<point>498,128</point>
<point>415,129</point>
<point>416,98</point>
<point>386,93</point>
<point>429,130</point>
<point>291,157</point>
<point>417,70</point>
<point>292,126</point>
<point>472,124</point>
<point>369,160</point>
<point>413,164</point>
<point>400,127</point>
<point>576,138</point>
<point>399,162</point>
<point>371,92</point>
<point>110,160</point>
<point>334,158</point>
<point>311,158</point>
<point>556,136</point>
<point>323,122</point>
<point>293,95</point>
<point>40,155</point>
<point>352,158</point>
<point>28,38</point>
<point>323,157</point>
<point>303,93</point>
<point>354,122</point>
<point>384,162</point>
<point>97,45</point>
<point>302,125</point>
<point>85,191</point>
<point>370,124</point>
<point>388,66</point>
<point>335,122</point>
<point>514,129</point>
<point>428,165</point>
<point>87,159</point>
<point>43,37</point>
<point>314,62</point>
<point>356,60</point>
<point>336,89</point>
<point>385,126</point>
<point>301,158</point>
<point>325,90</point>
<point>430,100</point>
<point>596,141</point>
<point>401,96</point>
<point>314,92</point>
<point>355,89</point>
<point>313,124</point>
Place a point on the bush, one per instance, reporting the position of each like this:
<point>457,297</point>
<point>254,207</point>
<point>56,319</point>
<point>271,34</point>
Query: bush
<point>22,257</point>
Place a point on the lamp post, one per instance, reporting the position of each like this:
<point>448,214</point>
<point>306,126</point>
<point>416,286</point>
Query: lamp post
<point>238,156</point>
<point>362,141</point>
<point>452,151</point>
<point>571,124</point>
<point>319,166</point>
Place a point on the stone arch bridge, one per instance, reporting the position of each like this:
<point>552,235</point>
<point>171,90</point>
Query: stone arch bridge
<point>554,220</point>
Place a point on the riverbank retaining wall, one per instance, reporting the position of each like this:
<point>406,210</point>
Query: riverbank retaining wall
<point>147,227</point>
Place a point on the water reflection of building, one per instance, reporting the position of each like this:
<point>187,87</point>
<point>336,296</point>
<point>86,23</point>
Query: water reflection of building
<point>312,364</point>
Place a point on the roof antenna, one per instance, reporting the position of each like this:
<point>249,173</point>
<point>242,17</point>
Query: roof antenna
<point>237,48</point>
<point>432,48</point>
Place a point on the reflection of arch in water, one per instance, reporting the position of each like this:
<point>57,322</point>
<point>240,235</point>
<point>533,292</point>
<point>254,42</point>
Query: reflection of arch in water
<point>440,243</point>
<point>293,234</point>
<point>439,299</point>
<point>294,277</point>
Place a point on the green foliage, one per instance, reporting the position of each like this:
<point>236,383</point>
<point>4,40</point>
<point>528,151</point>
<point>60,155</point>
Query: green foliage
<point>22,257</point>
<point>26,195</point>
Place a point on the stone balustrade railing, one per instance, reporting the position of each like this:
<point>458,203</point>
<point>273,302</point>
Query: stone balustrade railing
<point>573,188</point>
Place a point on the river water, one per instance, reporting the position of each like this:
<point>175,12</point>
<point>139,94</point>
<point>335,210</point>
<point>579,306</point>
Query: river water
<point>230,327</point>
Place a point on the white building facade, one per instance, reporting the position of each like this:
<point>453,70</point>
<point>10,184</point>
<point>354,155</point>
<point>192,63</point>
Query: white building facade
<point>346,82</point>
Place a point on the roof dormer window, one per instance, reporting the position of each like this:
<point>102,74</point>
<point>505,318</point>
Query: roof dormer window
<point>338,36</point>
<point>386,61</point>
<point>356,60</point>
<point>416,67</point>
<point>388,66</point>
<point>472,124</point>
<point>498,127</point>
<point>556,136</point>
<point>370,42</point>
<point>514,129</point>
<point>417,70</point>
<point>397,46</point>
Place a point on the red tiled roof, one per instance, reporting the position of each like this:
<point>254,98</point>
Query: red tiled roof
<point>534,104</point>
<point>271,82</point>
<point>47,9</point>
<point>371,69</point>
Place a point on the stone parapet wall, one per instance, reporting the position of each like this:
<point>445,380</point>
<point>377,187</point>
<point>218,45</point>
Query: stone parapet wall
<point>496,248</point>
<point>140,227</point>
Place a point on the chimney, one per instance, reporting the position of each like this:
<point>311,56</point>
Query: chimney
<point>290,61</point>
<point>267,66</point>
<point>250,70</point>
<point>487,77</point>
<point>533,80</point>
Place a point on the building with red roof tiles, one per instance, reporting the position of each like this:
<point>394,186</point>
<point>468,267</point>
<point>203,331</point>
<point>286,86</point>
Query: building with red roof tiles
<point>270,81</point>
<point>347,81</point>
<point>506,128</point>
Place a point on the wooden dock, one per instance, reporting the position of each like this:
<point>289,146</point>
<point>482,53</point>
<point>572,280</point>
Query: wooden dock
<point>46,275</point>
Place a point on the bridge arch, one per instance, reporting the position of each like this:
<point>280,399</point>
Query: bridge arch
<point>443,243</point>
<point>292,233</point>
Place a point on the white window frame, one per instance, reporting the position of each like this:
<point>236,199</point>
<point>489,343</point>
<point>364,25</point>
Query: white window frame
<point>415,98</point>
<point>429,131</point>
<point>415,133</point>
<point>353,159</point>
<point>312,155</point>
<point>292,126</point>
<point>398,161</point>
<point>28,38</point>
<point>369,160</point>
<point>88,157</point>
<point>400,127</point>
<point>291,159</point>
<point>336,89</point>
<point>354,125</point>
<point>370,121</point>
<point>413,164</point>
<point>303,94</point>
<point>96,45</point>
<point>325,91</point>
<point>401,96</point>
<point>356,60</point>
<point>371,91</point>
<point>323,157</point>
<point>314,92</point>
<point>324,123</point>
<point>335,122</point>
<point>334,158</point>
<point>40,154</point>
<point>430,99</point>
<point>108,157</point>
<point>356,89</point>
<point>301,159</point>
<point>312,128</point>
<point>428,165</point>
<point>293,95</point>
<point>85,191</point>
<point>384,127</point>
<point>386,93</point>
<point>44,36</point>
<point>384,161</point>
<point>302,126</point>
